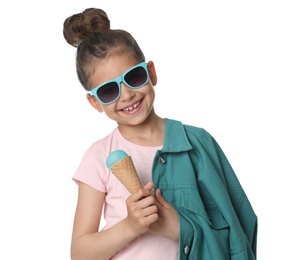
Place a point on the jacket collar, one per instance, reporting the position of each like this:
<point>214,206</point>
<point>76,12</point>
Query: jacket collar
<point>175,138</point>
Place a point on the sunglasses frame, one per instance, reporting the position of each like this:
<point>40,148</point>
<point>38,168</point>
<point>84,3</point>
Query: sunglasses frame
<point>118,80</point>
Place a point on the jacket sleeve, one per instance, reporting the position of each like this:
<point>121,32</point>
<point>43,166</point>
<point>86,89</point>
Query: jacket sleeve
<point>238,198</point>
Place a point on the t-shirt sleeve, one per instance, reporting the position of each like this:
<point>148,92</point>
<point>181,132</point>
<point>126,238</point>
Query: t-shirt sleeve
<point>91,169</point>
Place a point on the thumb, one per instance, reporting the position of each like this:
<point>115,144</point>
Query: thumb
<point>149,185</point>
<point>161,200</point>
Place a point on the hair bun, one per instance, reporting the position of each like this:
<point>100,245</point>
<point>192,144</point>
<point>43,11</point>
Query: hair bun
<point>78,26</point>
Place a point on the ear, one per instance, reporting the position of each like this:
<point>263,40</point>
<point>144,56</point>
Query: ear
<point>94,102</point>
<point>152,72</point>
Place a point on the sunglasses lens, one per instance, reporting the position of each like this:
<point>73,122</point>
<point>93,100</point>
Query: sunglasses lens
<point>136,77</point>
<point>108,92</point>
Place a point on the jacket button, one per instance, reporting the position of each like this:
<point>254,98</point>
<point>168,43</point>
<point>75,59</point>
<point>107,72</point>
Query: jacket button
<point>186,250</point>
<point>161,159</point>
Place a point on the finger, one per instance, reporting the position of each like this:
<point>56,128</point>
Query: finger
<point>150,211</point>
<point>160,199</point>
<point>139,195</point>
<point>146,202</point>
<point>149,185</point>
<point>150,219</point>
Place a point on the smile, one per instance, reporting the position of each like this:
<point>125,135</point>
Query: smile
<point>127,109</point>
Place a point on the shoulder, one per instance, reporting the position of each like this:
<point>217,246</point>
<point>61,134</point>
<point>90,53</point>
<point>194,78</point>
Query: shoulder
<point>101,147</point>
<point>190,130</point>
<point>197,137</point>
<point>197,132</point>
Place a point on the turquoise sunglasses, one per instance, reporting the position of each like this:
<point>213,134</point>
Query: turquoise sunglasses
<point>108,92</point>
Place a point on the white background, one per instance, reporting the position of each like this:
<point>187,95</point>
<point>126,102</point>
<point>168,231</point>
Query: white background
<point>228,66</point>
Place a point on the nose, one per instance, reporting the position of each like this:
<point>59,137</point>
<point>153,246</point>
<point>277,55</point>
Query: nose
<point>126,93</point>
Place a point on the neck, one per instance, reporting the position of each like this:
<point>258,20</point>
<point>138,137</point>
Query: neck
<point>149,133</point>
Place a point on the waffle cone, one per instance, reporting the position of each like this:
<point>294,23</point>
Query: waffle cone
<point>125,171</point>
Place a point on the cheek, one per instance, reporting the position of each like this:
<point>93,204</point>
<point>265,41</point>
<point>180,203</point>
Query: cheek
<point>109,109</point>
<point>148,89</point>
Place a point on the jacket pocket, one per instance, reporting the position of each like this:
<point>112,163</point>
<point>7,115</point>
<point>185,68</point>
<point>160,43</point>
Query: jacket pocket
<point>212,229</point>
<point>191,200</point>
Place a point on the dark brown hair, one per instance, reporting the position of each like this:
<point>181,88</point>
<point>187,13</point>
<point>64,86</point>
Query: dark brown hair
<point>90,33</point>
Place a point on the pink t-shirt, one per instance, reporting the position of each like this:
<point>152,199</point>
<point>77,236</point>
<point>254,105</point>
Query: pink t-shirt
<point>94,172</point>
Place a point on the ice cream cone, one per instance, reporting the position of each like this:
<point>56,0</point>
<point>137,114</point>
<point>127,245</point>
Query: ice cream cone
<point>125,171</point>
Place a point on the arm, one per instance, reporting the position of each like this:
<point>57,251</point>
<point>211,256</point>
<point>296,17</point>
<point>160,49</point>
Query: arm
<point>88,243</point>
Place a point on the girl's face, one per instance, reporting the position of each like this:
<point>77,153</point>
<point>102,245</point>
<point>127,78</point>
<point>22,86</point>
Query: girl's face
<point>134,105</point>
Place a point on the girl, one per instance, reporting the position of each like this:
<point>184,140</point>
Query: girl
<point>191,205</point>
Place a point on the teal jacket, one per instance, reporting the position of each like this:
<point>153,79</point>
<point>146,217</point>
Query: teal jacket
<point>217,221</point>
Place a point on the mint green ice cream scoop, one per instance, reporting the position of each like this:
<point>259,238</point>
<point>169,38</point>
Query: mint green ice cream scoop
<point>114,157</point>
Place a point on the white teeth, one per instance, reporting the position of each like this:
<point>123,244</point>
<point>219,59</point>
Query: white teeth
<point>132,107</point>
